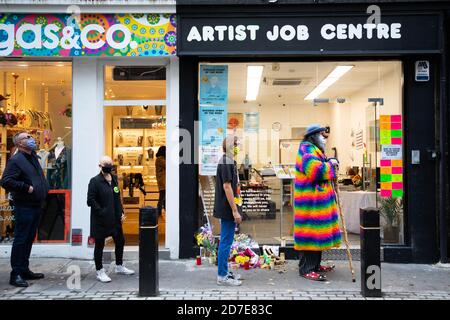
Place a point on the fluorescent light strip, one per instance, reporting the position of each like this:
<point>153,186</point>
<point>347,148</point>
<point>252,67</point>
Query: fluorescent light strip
<point>254,74</point>
<point>334,76</point>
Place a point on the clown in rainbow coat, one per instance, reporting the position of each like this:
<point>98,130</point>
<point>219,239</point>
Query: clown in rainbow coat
<point>316,225</point>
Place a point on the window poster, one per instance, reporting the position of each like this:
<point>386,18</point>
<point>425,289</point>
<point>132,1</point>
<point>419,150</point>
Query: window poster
<point>213,126</point>
<point>213,116</point>
<point>213,85</point>
<point>251,122</point>
<point>235,125</point>
<point>391,151</point>
<point>391,171</point>
<point>235,122</point>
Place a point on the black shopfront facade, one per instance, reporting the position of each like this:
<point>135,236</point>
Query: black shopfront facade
<point>412,31</point>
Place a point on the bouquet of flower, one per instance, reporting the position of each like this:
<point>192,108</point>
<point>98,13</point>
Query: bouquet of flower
<point>241,252</point>
<point>205,239</point>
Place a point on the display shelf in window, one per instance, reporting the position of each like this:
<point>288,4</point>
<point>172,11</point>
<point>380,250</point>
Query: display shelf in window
<point>134,151</point>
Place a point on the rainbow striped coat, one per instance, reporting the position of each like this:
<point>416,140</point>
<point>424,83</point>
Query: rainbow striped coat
<point>316,225</point>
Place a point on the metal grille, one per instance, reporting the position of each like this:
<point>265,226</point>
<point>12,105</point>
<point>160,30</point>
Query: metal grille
<point>341,254</point>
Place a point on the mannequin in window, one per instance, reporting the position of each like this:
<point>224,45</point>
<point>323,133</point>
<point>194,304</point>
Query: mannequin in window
<point>43,157</point>
<point>59,147</point>
<point>58,165</point>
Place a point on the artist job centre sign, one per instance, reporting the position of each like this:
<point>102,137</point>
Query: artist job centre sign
<point>303,35</point>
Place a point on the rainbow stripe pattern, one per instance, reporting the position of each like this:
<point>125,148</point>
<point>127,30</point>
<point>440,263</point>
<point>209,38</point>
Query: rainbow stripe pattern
<point>316,225</point>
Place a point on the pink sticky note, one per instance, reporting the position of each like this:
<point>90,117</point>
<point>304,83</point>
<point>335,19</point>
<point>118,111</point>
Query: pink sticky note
<point>386,193</point>
<point>396,118</point>
<point>397,185</point>
<point>385,163</point>
<point>397,170</point>
<point>396,126</point>
<point>396,140</point>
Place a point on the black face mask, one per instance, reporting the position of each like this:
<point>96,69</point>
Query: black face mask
<point>107,169</point>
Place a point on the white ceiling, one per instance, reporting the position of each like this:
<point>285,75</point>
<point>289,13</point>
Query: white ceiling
<point>36,73</point>
<point>363,74</point>
<point>57,74</point>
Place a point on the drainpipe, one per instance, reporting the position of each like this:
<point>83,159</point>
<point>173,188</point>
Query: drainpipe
<point>443,110</point>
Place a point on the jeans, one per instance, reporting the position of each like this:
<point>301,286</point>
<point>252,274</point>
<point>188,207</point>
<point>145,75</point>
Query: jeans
<point>226,240</point>
<point>119,242</point>
<point>26,225</point>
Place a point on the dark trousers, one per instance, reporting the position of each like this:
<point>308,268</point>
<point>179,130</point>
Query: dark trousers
<point>26,224</point>
<point>161,201</point>
<point>119,242</point>
<point>309,261</point>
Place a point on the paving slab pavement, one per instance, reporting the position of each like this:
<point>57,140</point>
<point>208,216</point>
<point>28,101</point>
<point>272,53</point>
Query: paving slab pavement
<point>182,279</point>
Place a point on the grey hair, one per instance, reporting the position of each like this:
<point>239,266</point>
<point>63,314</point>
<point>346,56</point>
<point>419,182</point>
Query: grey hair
<point>16,138</point>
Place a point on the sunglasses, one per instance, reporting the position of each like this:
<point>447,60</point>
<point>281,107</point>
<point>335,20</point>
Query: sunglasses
<point>26,137</point>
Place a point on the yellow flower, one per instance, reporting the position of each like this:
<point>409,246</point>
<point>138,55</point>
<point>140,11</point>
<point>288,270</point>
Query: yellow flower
<point>242,260</point>
<point>199,239</point>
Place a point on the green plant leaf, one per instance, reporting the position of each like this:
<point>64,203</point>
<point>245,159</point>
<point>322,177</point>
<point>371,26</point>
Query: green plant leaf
<point>391,209</point>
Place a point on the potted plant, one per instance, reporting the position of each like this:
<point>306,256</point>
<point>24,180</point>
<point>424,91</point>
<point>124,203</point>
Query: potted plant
<point>391,210</point>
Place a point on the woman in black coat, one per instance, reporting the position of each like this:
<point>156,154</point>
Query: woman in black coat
<point>106,217</point>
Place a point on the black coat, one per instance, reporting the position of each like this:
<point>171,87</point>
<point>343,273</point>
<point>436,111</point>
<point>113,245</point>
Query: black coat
<point>106,206</point>
<point>22,171</point>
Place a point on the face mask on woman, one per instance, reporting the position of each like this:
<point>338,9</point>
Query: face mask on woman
<point>236,150</point>
<point>322,141</point>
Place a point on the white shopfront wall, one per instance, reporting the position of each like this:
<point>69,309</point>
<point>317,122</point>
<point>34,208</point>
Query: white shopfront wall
<point>88,139</point>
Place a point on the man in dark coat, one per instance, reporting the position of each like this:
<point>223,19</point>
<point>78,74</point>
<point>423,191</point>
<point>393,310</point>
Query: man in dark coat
<point>106,217</point>
<point>24,179</point>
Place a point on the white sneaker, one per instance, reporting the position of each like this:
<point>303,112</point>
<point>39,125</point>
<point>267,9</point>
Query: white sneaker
<point>235,276</point>
<point>123,270</point>
<point>102,276</point>
<point>228,281</point>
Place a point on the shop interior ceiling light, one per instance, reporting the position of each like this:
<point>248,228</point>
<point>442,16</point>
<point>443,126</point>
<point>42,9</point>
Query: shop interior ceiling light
<point>254,75</point>
<point>334,76</point>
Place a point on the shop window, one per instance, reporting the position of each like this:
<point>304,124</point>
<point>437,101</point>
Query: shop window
<point>146,83</point>
<point>269,105</point>
<point>36,97</point>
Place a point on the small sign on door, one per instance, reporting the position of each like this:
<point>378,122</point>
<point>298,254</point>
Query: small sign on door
<point>422,70</point>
